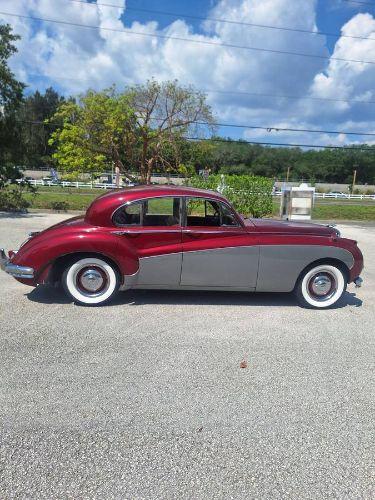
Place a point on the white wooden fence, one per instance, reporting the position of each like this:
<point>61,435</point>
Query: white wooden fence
<point>98,185</point>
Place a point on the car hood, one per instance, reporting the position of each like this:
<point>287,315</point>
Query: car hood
<point>288,227</point>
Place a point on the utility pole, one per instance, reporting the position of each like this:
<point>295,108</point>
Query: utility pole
<point>287,174</point>
<point>354,179</point>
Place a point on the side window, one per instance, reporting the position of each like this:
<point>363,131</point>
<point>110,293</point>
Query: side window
<point>129,215</point>
<point>151,212</point>
<point>161,212</point>
<point>201,212</point>
<point>204,212</point>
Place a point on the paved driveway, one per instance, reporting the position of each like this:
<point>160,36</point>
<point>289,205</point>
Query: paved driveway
<point>145,398</point>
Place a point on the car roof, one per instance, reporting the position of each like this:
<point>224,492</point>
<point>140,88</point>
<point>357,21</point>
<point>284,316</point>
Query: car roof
<point>102,208</point>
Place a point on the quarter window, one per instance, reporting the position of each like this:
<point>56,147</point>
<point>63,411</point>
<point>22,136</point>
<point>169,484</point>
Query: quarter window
<point>128,215</point>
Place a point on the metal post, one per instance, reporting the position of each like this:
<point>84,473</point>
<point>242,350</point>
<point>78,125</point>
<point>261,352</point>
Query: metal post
<point>354,180</point>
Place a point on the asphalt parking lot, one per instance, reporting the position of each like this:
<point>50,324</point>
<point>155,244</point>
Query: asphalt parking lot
<point>145,398</point>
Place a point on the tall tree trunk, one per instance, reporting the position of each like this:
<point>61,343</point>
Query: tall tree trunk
<point>143,167</point>
<point>120,165</point>
<point>150,165</point>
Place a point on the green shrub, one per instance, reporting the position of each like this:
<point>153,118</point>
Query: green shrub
<point>12,200</point>
<point>59,205</point>
<point>240,169</point>
<point>250,195</point>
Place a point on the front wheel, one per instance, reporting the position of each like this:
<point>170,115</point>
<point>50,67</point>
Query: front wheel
<point>90,281</point>
<point>321,286</point>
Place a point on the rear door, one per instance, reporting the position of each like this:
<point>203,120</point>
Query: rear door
<point>153,230</point>
<point>218,252</point>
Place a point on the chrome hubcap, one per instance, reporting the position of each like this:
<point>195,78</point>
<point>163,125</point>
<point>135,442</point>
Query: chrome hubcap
<point>92,280</point>
<point>322,286</point>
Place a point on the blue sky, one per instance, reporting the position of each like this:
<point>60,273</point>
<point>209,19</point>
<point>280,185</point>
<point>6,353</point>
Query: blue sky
<point>72,59</point>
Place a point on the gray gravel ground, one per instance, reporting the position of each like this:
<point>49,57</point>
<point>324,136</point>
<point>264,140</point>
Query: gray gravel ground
<point>145,398</point>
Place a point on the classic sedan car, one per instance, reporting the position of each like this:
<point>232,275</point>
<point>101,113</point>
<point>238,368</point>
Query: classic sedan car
<point>164,237</point>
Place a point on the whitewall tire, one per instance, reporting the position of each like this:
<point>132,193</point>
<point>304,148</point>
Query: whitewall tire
<point>321,286</point>
<point>90,281</point>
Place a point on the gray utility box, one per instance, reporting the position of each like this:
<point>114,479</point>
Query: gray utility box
<point>297,202</point>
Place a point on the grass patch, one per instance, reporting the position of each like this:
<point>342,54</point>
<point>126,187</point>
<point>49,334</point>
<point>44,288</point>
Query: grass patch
<point>344,212</point>
<point>76,201</point>
<point>333,212</point>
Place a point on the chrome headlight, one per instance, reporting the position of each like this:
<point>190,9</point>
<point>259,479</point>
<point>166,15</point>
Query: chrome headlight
<point>337,232</point>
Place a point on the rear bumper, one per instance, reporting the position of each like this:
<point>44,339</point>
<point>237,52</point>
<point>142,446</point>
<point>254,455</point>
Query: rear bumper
<point>21,272</point>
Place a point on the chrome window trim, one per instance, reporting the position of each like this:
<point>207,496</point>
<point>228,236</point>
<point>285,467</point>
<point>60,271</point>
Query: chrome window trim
<point>141,200</point>
<point>182,209</point>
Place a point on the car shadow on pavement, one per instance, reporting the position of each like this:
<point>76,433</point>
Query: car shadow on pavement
<point>49,295</point>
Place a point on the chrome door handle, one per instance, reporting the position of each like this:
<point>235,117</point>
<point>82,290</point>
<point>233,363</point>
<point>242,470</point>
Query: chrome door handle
<point>192,234</point>
<point>131,234</point>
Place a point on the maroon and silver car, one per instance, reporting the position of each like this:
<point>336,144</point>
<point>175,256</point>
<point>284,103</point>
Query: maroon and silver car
<point>185,239</point>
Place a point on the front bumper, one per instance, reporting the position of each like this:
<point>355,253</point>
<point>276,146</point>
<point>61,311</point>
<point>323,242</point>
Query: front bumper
<point>14,270</point>
<point>358,282</point>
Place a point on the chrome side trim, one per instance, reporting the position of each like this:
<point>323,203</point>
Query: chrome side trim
<point>198,231</point>
<point>145,230</point>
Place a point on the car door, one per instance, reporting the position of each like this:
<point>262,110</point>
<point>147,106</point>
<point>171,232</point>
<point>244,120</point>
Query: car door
<point>152,228</point>
<point>218,252</point>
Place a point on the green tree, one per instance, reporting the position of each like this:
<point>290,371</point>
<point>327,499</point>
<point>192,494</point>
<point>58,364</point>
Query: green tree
<point>97,132</point>
<point>34,132</point>
<point>11,91</point>
<point>141,128</point>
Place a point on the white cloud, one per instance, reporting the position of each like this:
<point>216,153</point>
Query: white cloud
<point>76,58</point>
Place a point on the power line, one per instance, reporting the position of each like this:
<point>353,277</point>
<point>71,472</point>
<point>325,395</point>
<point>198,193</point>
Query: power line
<point>235,125</point>
<point>285,129</point>
<point>189,40</point>
<point>231,92</point>
<point>221,20</point>
<point>371,4</point>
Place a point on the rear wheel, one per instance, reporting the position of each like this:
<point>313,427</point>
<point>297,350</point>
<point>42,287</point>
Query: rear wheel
<point>91,281</point>
<point>321,286</point>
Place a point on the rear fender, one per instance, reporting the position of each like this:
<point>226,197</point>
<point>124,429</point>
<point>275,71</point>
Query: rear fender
<point>43,252</point>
